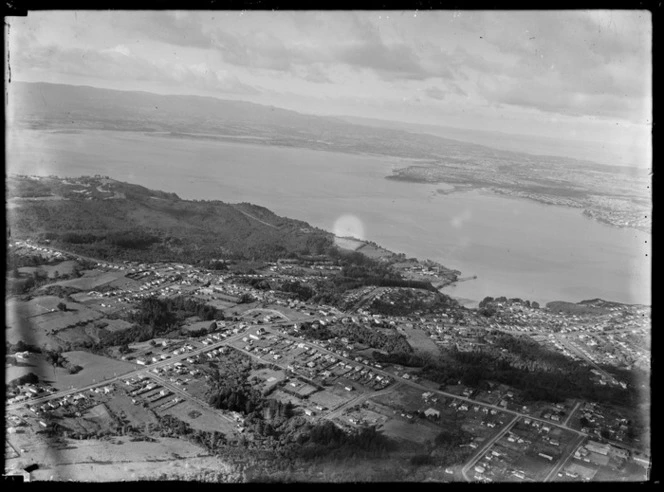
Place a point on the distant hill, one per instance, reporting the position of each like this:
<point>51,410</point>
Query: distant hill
<point>58,106</point>
<point>104,218</point>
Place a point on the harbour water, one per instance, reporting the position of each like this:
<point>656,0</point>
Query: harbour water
<point>516,247</point>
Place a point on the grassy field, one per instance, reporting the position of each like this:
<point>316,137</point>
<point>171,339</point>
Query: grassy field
<point>199,417</point>
<point>96,419</point>
<point>402,398</point>
<point>63,268</point>
<point>330,399</point>
<point>420,341</point>
<point>402,430</point>
<point>121,459</point>
<point>269,377</point>
<point>136,414</point>
<point>196,325</point>
<point>578,309</point>
<point>96,368</point>
<point>348,243</point>
<point>374,251</point>
<point>78,334</point>
<point>33,320</point>
<point>92,279</point>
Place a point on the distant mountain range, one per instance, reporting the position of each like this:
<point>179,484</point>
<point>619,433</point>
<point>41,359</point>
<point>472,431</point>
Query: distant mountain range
<point>57,106</point>
<point>45,105</point>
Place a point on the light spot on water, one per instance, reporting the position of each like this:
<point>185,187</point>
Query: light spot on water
<point>348,225</point>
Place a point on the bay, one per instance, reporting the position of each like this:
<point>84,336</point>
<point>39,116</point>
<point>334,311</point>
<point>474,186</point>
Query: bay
<point>516,247</point>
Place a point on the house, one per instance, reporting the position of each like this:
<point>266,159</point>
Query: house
<point>597,447</point>
<point>432,412</point>
<point>619,452</point>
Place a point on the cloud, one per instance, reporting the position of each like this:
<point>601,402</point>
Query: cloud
<point>315,74</point>
<point>541,96</point>
<point>120,63</point>
<point>436,92</point>
<point>395,60</point>
<point>570,63</point>
<point>176,28</point>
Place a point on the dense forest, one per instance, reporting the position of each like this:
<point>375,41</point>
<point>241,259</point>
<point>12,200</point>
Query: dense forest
<point>145,225</point>
<point>356,333</point>
<point>540,374</point>
<point>154,317</point>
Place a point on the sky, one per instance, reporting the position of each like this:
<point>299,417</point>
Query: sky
<point>583,75</point>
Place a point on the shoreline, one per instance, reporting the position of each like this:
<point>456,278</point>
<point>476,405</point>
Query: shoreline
<point>592,214</point>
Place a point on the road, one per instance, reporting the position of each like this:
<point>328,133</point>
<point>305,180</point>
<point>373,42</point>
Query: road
<point>129,374</point>
<point>569,416</point>
<point>485,447</point>
<point>363,301</point>
<point>333,414</point>
<point>273,311</point>
<point>562,462</point>
<point>572,347</point>
<point>255,218</point>
<point>229,340</point>
<point>167,384</point>
<point>440,392</point>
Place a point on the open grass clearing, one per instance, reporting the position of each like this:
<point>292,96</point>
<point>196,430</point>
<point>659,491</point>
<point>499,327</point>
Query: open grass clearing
<point>200,417</point>
<point>136,414</point>
<point>32,321</point>
<point>88,333</point>
<point>330,399</point>
<point>403,398</point>
<point>403,430</point>
<point>95,419</point>
<point>62,268</point>
<point>269,377</point>
<point>348,243</point>
<point>96,369</point>
<point>121,459</point>
<point>196,325</point>
<point>536,468</point>
<point>92,279</point>
<point>421,342</point>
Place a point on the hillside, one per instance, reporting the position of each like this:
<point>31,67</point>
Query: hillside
<point>104,218</point>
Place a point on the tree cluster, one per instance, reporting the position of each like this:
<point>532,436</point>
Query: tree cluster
<point>29,378</point>
<point>358,334</point>
<point>57,359</point>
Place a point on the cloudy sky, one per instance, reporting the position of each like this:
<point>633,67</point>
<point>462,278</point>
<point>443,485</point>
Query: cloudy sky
<point>578,74</point>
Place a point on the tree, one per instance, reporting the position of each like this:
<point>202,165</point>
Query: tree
<point>62,306</point>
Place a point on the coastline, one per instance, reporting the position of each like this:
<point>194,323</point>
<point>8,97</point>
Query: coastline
<point>597,215</point>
